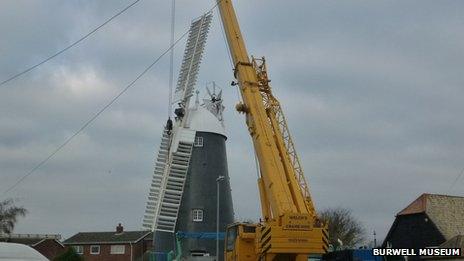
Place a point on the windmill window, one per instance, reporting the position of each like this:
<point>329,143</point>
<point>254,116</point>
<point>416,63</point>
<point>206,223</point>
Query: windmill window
<point>198,142</point>
<point>197,215</point>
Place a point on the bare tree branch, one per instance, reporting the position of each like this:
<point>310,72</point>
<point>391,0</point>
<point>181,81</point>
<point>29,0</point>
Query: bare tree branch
<point>344,229</point>
<point>9,214</point>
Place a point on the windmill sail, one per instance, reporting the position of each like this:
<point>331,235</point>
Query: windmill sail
<point>192,58</point>
<point>173,159</point>
<point>168,182</point>
<point>155,190</point>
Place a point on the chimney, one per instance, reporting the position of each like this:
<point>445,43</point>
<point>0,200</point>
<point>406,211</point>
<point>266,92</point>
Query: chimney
<point>119,229</point>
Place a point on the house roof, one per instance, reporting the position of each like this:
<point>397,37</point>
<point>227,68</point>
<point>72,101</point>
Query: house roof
<point>446,212</point>
<point>24,241</point>
<point>417,206</point>
<point>106,237</point>
<point>27,239</point>
<point>455,242</point>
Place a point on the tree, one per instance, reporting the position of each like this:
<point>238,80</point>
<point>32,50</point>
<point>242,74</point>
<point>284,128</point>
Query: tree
<point>344,229</point>
<point>9,214</point>
<point>69,255</point>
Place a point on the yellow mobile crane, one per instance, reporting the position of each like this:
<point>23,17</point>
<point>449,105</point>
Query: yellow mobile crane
<point>290,228</point>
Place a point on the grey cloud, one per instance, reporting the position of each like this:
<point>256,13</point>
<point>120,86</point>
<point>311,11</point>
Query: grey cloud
<point>371,89</point>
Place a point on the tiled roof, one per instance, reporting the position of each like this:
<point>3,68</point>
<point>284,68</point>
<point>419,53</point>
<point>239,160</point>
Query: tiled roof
<point>24,241</point>
<point>455,242</point>
<point>446,212</point>
<point>106,237</point>
<point>28,239</point>
<point>417,206</point>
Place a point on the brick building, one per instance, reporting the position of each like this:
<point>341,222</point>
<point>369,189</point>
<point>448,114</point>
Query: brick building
<point>48,245</point>
<point>118,245</point>
<point>429,221</point>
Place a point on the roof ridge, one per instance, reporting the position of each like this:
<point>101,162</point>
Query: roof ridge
<point>443,195</point>
<point>108,237</point>
<point>114,232</point>
<point>419,205</point>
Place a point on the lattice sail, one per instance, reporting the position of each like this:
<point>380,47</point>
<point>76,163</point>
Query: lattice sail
<point>192,58</point>
<point>156,183</point>
<point>168,185</point>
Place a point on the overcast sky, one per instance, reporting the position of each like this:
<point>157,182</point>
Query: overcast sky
<point>373,92</point>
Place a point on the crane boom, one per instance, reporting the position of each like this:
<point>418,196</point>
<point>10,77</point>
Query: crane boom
<point>290,228</point>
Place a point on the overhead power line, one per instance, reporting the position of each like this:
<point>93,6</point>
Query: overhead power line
<point>95,116</point>
<point>456,180</point>
<point>11,78</point>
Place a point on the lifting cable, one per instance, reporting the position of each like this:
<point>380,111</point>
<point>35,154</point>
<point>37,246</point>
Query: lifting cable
<point>226,45</point>
<point>258,170</point>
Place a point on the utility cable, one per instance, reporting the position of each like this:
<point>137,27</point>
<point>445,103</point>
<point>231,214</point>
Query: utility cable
<point>95,116</point>
<point>69,46</point>
<point>456,180</point>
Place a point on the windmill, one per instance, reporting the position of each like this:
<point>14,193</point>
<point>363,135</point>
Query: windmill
<point>182,196</point>
<point>172,163</point>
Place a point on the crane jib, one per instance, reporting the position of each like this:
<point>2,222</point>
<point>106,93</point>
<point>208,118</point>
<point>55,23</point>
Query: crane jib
<point>290,229</point>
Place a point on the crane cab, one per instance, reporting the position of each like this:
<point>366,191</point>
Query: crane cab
<point>240,242</point>
<point>246,242</point>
